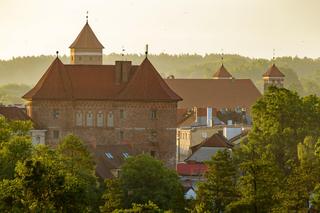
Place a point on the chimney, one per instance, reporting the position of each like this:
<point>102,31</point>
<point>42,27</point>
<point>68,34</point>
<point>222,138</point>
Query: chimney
<point>122,71</point>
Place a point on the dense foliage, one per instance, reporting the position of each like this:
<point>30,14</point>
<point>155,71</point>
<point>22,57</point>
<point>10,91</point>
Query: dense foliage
<point>40,179</point>
<point>277,166</point>
<point>143,179</point>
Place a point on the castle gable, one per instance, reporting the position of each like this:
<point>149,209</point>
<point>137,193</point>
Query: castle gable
<point>147,84</point>
<point>99,82</point>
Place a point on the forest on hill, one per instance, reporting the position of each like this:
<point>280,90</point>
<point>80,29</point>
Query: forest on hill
<point>302,74</point>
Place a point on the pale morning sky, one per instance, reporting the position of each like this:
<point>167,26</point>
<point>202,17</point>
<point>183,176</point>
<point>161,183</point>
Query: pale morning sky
<point>247,27</point>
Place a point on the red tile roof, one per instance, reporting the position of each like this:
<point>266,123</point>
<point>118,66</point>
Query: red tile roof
<point>215,93</point>
<point>14,113</point>
<point>273,71</point>
<point>147,84</point>
<point>222,72</point>
<point>54,84</point>
<point>216,140</point>
<point>191,169</point>
<point>98,82</point>
<point>86,39</point>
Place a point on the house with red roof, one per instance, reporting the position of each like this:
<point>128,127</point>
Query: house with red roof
<point>105,105</point>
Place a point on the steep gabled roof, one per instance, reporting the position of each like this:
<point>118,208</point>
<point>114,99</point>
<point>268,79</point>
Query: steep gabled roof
<point>86,39</point>
<point>216,140</point>
<point>147,84</point>
<point>98,82</point>
<point>14,113</point>
<point>273,71</point>
<point>54,84</point>
<point>222,72</point>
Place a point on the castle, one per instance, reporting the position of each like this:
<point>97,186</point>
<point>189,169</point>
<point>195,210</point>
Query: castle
<point>105,104</point>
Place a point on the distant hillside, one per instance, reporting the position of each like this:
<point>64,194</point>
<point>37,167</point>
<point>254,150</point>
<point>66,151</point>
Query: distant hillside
<point>302,74</point>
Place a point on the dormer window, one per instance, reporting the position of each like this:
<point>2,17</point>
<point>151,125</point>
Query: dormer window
<point>109,155</point>
<point>125,155</point>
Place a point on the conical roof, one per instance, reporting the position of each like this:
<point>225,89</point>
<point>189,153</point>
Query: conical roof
<point>86,39</point>
<point>146,84</point>
<point>273,71</point>
<point>222,72</point>
<point>54,84</point>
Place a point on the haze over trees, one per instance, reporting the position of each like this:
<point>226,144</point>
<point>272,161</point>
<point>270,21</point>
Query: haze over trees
<point>302,74</point>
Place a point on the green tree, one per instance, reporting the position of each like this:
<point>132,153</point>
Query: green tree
<point>258,184</point>
<point>143,179</point>
<point>219,189</point>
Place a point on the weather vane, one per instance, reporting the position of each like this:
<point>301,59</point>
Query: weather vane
<point>273,55</point>
<point>123,51</point>
<point>222,56</point>
<point>87,16</point>
<point>147,47</point>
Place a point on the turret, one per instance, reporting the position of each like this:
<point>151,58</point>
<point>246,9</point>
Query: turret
<point>273,77</point>
<point>86,49</point>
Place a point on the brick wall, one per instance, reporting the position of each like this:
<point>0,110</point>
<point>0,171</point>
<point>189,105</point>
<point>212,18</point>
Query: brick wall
<point>134,125</point>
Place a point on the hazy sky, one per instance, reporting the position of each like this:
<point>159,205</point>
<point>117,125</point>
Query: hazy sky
<point>247,27</point>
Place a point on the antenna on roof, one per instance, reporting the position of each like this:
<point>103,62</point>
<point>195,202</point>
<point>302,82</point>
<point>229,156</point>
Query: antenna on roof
<point>57,53</point>
<point>147,47</point>
<point>222,56</point>
<point>123,51</point>
<point>87,16</point>
<point>273,55</point>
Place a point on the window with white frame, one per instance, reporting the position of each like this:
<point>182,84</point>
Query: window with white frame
<point>100,119</point>
<point>110,122</point>
<point>89,118</point>
<point>79,118</point>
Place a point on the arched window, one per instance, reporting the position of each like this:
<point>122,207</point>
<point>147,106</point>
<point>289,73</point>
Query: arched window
<point>89,118</point>
<point>79,118</point>
<point>110,120</point>
<point>100,119</point>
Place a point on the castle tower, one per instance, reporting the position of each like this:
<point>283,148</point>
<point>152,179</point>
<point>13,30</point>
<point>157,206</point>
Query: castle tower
<point>222,73</point>
<point>273,77</point>
<point>86,49</point>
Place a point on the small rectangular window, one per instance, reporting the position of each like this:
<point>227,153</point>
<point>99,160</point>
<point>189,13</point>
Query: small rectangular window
<point>89,118</point>
<point>55,114</point>
<point>153,153</point>
<point>79,118</point>
<point>56,134</point>
<point>110,122</point>
<point>121,136</point>
<point>100,119</point>
<point>122,114</point>
<point>153,114</point>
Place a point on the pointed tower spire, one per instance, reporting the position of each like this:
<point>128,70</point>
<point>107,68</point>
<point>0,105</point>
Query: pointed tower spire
<point>273,76</point>
<point>86,49</point>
